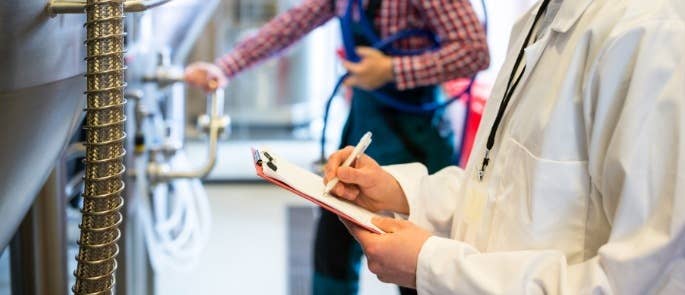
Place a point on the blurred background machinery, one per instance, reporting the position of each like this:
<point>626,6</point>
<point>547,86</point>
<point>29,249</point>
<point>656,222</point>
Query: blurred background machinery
<point>49,61</point>
<point>282,97</point>
<point>65,173</point>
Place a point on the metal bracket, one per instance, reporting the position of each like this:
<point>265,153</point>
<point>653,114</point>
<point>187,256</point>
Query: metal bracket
<point>56,7</point>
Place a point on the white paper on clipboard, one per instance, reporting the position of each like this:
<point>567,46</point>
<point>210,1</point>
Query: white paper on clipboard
<point>311,187</point>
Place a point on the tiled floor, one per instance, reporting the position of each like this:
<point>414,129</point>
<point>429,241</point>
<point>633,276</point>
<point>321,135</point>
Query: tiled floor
<point>247,253</point>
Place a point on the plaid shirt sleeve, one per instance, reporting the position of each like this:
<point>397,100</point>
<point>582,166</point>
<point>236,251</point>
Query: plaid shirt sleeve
<point>276,35</point>
<point>464,49</point>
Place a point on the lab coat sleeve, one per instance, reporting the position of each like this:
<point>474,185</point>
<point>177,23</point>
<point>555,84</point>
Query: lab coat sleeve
<point>432,198</point>
<point>634,97</point>
<point>463,51</point>
<point>276,35</point>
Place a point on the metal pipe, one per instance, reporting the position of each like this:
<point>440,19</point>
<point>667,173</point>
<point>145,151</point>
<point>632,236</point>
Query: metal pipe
<point>142,5</point>
<point>39,245</point>
<point>56,7</point>
<point>216,124</point>
<point>105,138</point>
<point>202,170</point>
<point>75,151</point>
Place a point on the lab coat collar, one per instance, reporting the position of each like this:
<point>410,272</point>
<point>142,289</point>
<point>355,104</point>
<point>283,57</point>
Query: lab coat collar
<point>569,12</point>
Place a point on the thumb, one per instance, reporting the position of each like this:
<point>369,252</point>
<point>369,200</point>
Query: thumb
<point>388,225</point>
<point>364,51</point>
<point>351,81</point>
<point>351,66</point>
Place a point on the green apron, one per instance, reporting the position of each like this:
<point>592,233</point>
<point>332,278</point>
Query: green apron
<point>400,137</point>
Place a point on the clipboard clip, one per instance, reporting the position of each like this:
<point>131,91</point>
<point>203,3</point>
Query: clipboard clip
<point>270,160</point>
<point>256,155</point>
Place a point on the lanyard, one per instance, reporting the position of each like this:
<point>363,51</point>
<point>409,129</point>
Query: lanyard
<point>509,91</point>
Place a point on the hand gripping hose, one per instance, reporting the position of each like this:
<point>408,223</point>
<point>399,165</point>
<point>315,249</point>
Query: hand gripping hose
<point>105,152</point>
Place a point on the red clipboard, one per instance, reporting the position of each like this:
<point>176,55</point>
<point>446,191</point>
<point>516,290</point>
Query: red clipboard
<point>260,173</point>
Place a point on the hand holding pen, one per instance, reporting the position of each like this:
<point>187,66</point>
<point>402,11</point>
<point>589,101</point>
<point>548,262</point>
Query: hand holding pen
<point>358,150</point>
<point>366,184</point>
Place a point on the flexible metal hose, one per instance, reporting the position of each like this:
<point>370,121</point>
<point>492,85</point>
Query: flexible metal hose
<point>105,152</point>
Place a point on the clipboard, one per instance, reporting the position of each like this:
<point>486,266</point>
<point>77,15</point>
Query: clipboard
<point>309,186</point>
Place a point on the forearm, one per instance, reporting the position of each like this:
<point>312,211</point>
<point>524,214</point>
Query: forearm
<point>276,35</point>
<point>463,52</point>
<point>453,61</point>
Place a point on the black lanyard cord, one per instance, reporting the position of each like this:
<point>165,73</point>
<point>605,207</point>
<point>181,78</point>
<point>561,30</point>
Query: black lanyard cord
<point>509,91</point>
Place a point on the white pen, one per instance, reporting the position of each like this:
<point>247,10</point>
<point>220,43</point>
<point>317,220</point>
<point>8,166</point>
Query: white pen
<point>356,153</point>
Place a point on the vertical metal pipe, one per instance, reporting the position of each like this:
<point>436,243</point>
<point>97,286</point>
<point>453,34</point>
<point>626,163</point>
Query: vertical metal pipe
<point>22,259</point>
<point>39,245</point>
<point>105,139</point>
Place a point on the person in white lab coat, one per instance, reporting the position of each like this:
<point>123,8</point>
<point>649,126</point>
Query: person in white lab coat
<point>576,184</point>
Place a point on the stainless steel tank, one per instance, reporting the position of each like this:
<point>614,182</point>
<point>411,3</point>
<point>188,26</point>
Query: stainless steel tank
<point>41,98</point>
<point>281,93</point>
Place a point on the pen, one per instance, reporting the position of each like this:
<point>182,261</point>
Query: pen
<point>356,153</point>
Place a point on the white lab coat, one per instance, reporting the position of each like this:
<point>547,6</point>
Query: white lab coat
<point>586,186</point>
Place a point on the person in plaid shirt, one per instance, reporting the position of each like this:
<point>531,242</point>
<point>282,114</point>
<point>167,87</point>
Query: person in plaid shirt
<point>401,137</point>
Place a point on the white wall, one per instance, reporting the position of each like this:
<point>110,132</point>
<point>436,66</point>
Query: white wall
<point>501,14</point>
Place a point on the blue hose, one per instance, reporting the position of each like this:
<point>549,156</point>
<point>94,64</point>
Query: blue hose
<point>385,45</point>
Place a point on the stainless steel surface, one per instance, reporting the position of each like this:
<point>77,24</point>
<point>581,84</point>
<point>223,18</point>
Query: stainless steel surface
<point>35,49</point>
<point>40,95</point>
<point>5,273</point>
<point>165,76</point>
<point>189,32</point>
<point>105,140</point>
<point>37,122</point>
<point>41,243</point>
<point>50,218</point>
<point>176,26</point>
<point>176,23</point>
<point>57,7</point>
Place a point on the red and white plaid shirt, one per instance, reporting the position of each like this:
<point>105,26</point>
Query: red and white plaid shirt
<point>463,50</point>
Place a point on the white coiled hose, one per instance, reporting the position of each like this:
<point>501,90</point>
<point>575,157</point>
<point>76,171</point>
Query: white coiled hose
<point>176,218</point>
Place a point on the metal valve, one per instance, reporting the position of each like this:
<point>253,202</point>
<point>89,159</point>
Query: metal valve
<point>215,123</point>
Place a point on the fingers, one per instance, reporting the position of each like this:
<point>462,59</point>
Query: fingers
<point>352,67</point>
<point>357,176</point>
<point>351,81</point>
<point>362,172</point>
<point>215,78</point>
<point>206,76</point>
<point>345,191</point>
<point>363,236</point>
<point>334,161</point>
<point>192,75</point>
<point>388,225</point>
<point>364,51</point>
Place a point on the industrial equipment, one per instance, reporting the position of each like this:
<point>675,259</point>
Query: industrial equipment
<point>49,62</point>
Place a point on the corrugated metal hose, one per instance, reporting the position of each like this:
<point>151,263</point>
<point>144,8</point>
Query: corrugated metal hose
<point>105,139</point>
